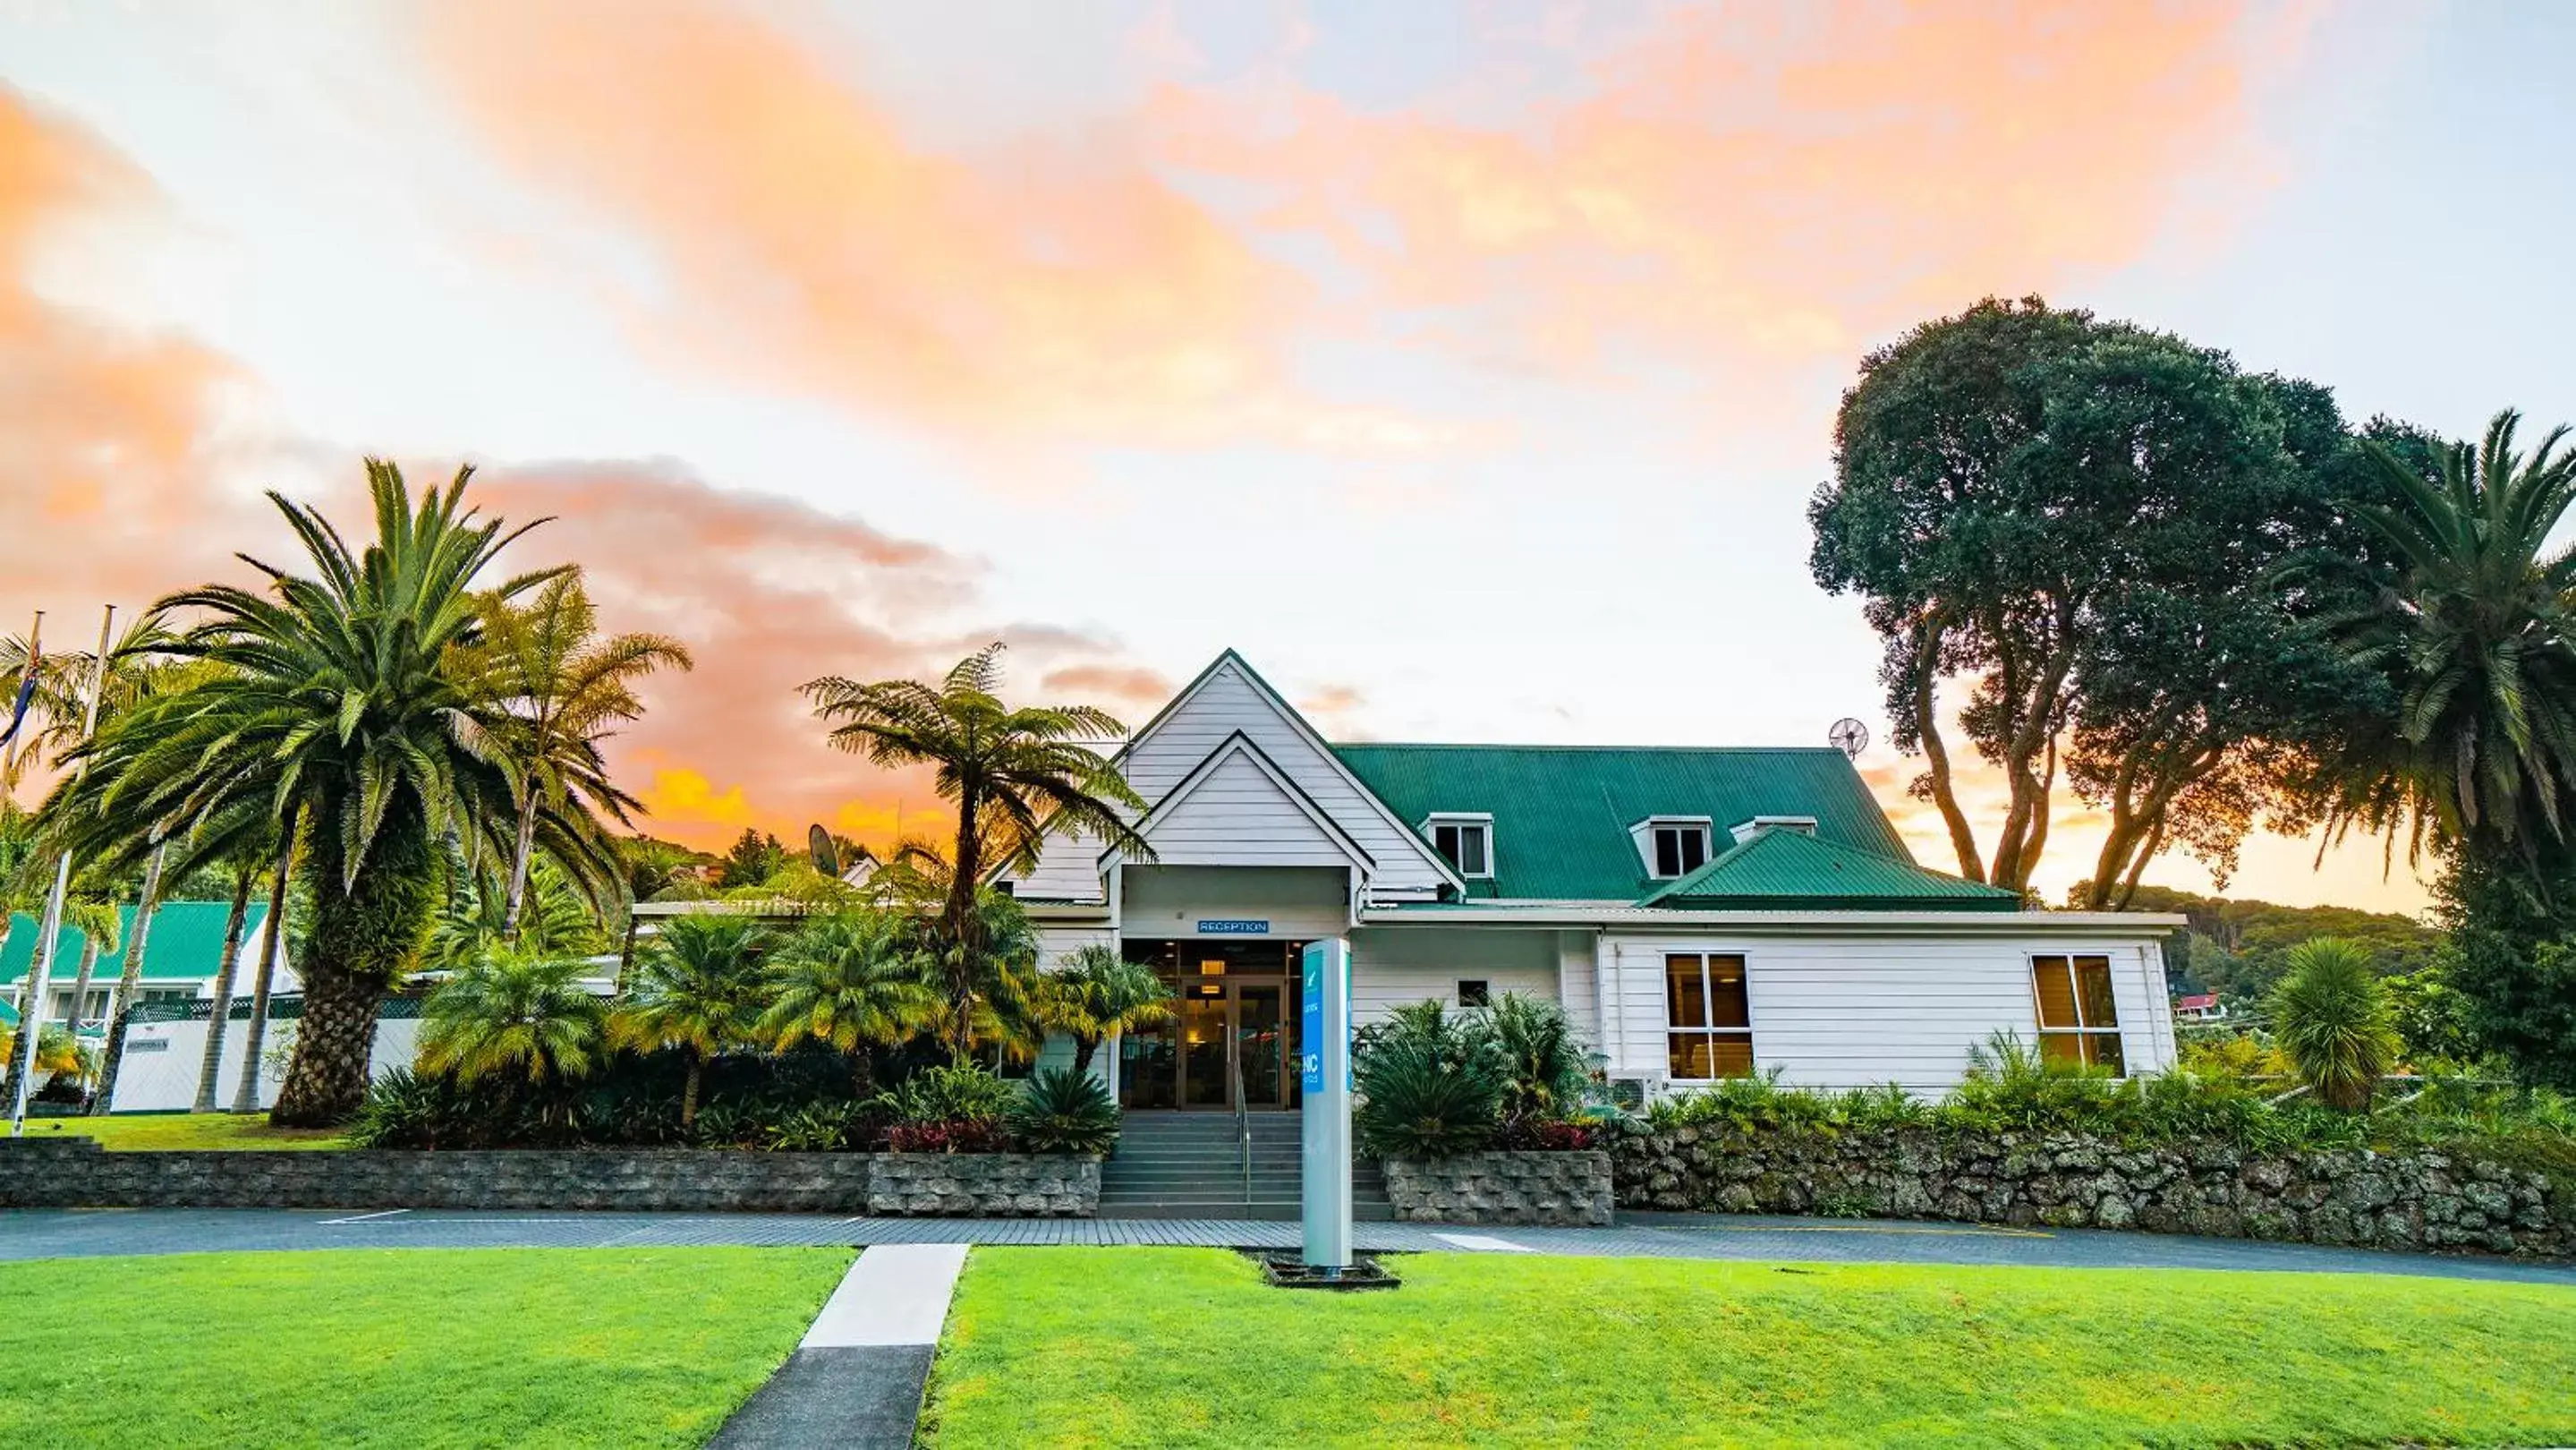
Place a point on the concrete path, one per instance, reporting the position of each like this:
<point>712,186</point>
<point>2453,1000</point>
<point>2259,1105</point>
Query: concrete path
<point>75,1233</point>
<point>857,1378</point>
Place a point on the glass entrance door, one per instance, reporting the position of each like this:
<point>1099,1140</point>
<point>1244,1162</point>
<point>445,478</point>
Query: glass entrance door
<point>1261,1043</point>
<point>1205,1042</point>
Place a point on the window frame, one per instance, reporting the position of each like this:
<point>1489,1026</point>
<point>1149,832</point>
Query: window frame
<point>1462,821</point>
<point>1708,1030</point>
<point>1645,832</point>
<point>2086,1034</point>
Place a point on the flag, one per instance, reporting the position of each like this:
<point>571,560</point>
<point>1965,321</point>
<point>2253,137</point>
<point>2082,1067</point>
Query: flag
<point>26,697</point>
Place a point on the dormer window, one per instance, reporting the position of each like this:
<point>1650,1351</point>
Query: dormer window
<point>1744,831</point>
<point>1465,840</point>
<point>1673,846</point>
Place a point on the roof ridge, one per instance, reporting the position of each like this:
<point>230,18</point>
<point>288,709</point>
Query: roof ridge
<point>1635,749</point>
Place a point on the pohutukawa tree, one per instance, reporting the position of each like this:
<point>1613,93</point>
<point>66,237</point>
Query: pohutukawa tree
<point>1011,773</point>
<point>339,695</point>
<point>2085,525</point>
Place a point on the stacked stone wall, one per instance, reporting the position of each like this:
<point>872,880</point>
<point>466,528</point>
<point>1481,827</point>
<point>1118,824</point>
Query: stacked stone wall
<point>1503,1188</point>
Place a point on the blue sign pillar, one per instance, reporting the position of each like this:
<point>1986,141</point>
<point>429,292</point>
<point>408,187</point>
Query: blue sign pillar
<point>1325,1049</point>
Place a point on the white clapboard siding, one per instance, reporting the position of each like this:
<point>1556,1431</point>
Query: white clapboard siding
<point>1577,986</point>
<point>1237,815</point>
<point>1226,701</point>
<point>1860,1011</point>
<point>1392,967</point>
<point>1301,903</point>
<point>1056,943</point>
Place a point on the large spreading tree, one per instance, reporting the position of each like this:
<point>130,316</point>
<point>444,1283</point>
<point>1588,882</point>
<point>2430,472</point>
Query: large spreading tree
<point>2087,532</point>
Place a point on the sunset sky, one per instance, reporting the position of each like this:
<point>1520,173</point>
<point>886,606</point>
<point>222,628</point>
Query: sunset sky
<point>1467,366</point>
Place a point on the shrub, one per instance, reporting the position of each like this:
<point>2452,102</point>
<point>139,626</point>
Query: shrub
<point>1419,1101</point>
<point>965,1136</point>
<point>965,1092</point>
<point>818,1128</point>
<point>2332,1019</point>
<point>2012,1086</point>
<point>1064,1110</point>
<point>1544,1135</point>
<point>1544,1071</point>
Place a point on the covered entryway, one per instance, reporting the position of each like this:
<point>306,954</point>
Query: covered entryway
<point>1233,1037</point>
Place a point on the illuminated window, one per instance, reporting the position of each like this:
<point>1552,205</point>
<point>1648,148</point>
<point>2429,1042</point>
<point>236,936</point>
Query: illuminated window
<point>1710,1021</point>
<point>2077,1021</point>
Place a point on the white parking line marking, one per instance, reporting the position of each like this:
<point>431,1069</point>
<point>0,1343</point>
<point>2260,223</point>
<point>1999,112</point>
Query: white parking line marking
<point>1482,1244</point>
<point>364,1217</point>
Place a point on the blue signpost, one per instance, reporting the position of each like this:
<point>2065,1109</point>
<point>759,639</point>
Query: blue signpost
<point>1325,1052</point>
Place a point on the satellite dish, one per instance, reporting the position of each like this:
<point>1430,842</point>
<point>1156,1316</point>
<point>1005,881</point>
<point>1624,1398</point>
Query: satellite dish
<point>827,858</point>
<point>1849,736</point>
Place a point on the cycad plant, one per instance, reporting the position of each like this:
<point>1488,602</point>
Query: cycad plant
<point>850,980</point>
<point>696,988</point>
<point>2331,1015</point>
<point>1063,1110</point>
<point>513,1015</point>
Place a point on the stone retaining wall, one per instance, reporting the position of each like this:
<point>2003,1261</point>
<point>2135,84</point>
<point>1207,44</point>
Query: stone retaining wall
<point>1503,1188</point>
<point>75,1173</point>
<point>983,1185</point>
<point>2415,1201</point>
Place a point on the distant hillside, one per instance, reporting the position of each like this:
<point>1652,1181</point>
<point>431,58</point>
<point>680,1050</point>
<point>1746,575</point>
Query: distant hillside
<point>2234,948</point>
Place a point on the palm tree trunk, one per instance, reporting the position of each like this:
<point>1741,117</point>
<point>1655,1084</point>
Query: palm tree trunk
<point>272,946</point>
<point>367,929</point>
<point>689,1092</point>
<point>80,985</point>
<point>519,866</point>
<point>129,980</point>
<point>211,1066</point>
<point>962,922</point>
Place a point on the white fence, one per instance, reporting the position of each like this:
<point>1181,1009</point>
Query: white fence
<point>163,1059</point>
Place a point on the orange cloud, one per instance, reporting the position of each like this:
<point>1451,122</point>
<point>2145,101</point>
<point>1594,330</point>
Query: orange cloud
<point>1129,687</point>
<point>1054,290</point>
<point>104,482</point>
<point>767,593</point>
<point>1780,181</point>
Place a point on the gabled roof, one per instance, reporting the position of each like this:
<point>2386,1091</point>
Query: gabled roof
<point>187,943</point>
<point>1241,757</point>
<point>1782,869</point>
<point>1562,814</point>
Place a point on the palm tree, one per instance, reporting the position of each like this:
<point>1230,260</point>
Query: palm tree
<point>509,1013</point>
<point>244,865</point>
<point>2331,1015</point>
<point>2478,640</point>
<point>555,921</point>
<point>1098,994</point>
<point>696,987</point>
<point>851,979</point>
<point>1011,774</point>
<point>341,697</point>
<point>96,918</point>
<point>563,687</point>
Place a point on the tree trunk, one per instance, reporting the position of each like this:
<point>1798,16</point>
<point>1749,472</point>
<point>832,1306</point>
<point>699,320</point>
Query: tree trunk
<point>272,948</point>
<point>80,986</point>
<point>367,928</point>
<point>1083,1049</point>
<point>519,866</point>
<point>689,1092</point>
<point>1936,761</point>
<point>211,1067</point>
<point>130,979</point>
<point>963,924</point>
<point>328,1080</point>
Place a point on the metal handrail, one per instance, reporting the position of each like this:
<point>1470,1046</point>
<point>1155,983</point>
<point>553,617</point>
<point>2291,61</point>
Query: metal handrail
<point>1243,1122</point>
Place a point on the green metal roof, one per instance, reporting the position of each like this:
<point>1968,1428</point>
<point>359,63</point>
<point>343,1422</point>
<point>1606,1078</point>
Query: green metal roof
<point>1562,814</point>
<point>187,942</point>
<point>1790,869</point>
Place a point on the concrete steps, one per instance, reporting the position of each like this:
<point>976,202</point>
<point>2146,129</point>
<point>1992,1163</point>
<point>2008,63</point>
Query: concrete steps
<point>1190,1165</point>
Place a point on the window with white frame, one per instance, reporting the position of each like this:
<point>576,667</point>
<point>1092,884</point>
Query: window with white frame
<point>2077,1019</point>
<point>1465,842</point>
<point>1709,1019</point>
<point>1674,848</point>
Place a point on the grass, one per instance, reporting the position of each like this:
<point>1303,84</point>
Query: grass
<point>1077,1346</point>
<point>408,1347</point>
<point>167,1132</point>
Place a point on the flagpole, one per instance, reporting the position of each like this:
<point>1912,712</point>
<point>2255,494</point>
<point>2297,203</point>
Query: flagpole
<point>40,972</point>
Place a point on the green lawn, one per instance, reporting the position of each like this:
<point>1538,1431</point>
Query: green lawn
<point>167,1131</point>
<point>1060,1346</point>
<point>399,1347</point>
